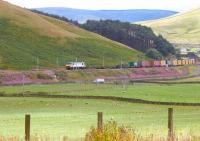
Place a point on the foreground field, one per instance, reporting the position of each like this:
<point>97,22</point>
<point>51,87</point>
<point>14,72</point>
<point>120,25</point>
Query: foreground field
<point>73,118</point>
<point>188,93</point>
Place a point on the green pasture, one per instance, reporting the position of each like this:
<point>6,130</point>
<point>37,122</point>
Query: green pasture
<point>73,118</point>
<point>168,93</point>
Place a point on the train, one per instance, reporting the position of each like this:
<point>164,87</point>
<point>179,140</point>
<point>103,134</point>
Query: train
<point>138,64</point>
<point>161,63</point>
<point>75,65</point>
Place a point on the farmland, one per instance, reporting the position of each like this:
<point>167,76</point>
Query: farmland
<point>73,117</point>
<point>165,93</point>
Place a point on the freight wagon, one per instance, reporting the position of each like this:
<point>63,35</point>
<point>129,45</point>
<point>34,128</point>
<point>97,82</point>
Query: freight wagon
<point>161,63</point>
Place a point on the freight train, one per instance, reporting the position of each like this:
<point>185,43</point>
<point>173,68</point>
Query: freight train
<point>161,63</point>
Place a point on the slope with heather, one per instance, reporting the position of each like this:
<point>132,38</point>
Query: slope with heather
<point>26,36</point>
<point>181,28</point>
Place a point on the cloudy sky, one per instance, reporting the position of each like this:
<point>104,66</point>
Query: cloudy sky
<point>176,5</point>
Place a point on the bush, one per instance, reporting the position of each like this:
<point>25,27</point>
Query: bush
<point>111,132</point>
<point>43,76</point>
<point>153,53</point>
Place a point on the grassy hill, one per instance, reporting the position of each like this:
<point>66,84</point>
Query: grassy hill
<point>181,28</point>
<point>26,36</point>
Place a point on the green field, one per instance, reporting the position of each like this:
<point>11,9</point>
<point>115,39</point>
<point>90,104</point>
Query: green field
<point>166,93</point>
<point>26,36</point>
<point>74,117</point>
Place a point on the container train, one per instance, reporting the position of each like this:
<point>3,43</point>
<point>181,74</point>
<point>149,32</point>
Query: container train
<point>161,63</point>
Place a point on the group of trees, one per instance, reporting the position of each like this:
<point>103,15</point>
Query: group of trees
<point>135,36</point>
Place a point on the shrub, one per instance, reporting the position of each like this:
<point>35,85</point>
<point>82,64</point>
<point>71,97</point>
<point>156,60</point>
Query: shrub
<point>153,53</point>
<point>43,76</point>
<point>111,132</point>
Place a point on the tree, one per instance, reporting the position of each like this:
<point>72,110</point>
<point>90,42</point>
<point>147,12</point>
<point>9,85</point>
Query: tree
<point>153,53</point>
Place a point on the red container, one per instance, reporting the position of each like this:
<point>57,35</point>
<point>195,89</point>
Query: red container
<point>146,64</point>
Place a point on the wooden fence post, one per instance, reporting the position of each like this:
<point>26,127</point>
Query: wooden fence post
<point>27,127</point>
<point>100,121</point>
<point>170,124</point>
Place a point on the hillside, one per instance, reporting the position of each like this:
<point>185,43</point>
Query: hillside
<point>26,36</point>
<point>182,28</point>
<point>82,16</point>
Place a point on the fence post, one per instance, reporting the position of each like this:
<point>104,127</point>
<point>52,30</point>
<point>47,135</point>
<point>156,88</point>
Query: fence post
<point>170,124</point>
<point>27,127</point>
<point>100,121</point>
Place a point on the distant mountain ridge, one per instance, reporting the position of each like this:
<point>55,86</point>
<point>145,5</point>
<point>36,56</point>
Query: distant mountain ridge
<point>82,16</point>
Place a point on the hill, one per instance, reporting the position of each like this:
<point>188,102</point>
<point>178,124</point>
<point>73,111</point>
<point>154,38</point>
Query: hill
<point>26,36</point>
<point>123,15</point>
<point>182,28</point>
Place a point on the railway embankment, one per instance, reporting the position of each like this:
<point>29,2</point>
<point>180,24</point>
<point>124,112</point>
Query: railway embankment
<point>46,76</point>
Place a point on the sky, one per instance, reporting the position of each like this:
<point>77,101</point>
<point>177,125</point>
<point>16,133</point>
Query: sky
<point>174,5</point>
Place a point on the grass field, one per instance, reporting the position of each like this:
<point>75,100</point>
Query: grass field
<point>167,93</point>
<point>73,118</point>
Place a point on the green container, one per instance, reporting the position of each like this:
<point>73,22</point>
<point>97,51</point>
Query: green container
<point>133,64</point>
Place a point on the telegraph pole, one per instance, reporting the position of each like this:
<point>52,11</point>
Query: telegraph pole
<point>76,63</point>
<point>103,62</point>
<point>38,63</point>
<point>23,77</point>
<point>121,63</point>
<point>57,62</point>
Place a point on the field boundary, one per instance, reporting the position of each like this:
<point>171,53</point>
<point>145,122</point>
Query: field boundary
<point>113,98</point>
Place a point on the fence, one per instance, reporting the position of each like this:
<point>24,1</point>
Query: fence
<point>100,124</point>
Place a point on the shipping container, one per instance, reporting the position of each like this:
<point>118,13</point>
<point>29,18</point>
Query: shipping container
<point>186,61</point>
<point>175,62</point>
<point>130,64</point>
<point>179,62</point>
<point>163,63</point>
<point>146,64</point>
<point>133,64</point>
<point>156,63</point>
<point>183,62</point>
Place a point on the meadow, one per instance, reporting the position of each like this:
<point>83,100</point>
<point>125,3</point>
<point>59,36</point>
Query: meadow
<point>57,117</point>
<point>165,93</point>
<point>73,118</point>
